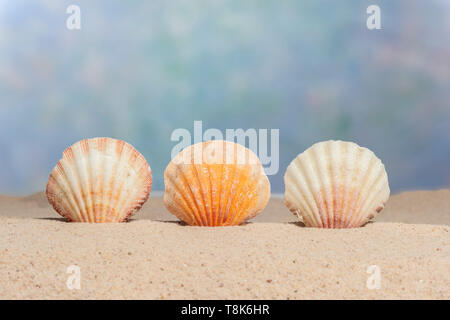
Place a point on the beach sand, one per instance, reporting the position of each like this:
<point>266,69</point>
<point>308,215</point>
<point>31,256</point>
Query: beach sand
<point>273,257</point>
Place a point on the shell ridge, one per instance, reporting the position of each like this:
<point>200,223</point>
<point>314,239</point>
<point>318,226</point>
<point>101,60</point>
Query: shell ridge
<point>139,202</point>
<point>130,193</point>
<point>197,212</point>
<point>202,198</point>
<point>144,177</point>
<point>309,211</point>
<point>221,193</point>
<point>208,195</point>
<point>79,166</point>
<point>212,192</point>
<point>53,186</point>
<point>134,198</point>
<point>61,208</point>
<point>263,185</point>
<point>141,196</point>
<point>117,194</point>
<point>90,181</point>
<point>235,204</point>
<point>250,174</point>
<point>296,205</point>
<point>368,205</point>
<point>106,210</point>
<point>211,217</point>
<point>345,166</point>
<point>333,215</point>
<point>78,190</point>
<point>103,146</point>
<point>100,212</point>
<point>354,218</point>
<point>82,187</point>
<point>261,199</point>
<point>224,193</point>
<point>382,179</point>
<point>337,183</point>
<point>121,149</point>
<point>322,203</point>
<point>315,216</point>
<point>187,204</point>
<point>246,191</point>
<point>240,213</point>
<point>355,189</point>
<point>327,179</point>
<point>347,150</point>
<point>72,190</point>
<point>230,186</point>
<point>338,186</point>
<point>117,190</point>
<point>218,213</point>
<point>231,190</point>
<point>362,184</point>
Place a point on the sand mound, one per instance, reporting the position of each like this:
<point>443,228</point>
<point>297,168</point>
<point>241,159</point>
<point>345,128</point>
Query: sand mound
<point>148,259</point>
<point>427,207</point>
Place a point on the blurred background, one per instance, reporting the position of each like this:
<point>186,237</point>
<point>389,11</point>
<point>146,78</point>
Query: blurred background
<point>139,70</point>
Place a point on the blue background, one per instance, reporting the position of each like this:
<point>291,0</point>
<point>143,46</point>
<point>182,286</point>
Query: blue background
<point>138,70</point>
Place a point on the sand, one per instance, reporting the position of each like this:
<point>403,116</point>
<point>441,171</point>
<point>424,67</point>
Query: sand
<point>273,257</point>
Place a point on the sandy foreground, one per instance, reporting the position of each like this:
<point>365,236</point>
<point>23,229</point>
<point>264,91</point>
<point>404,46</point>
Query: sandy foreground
<point>273,257</point>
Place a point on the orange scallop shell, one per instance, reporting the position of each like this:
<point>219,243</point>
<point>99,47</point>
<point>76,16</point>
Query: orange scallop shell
<point>99,180</point>
<point>215,183</point>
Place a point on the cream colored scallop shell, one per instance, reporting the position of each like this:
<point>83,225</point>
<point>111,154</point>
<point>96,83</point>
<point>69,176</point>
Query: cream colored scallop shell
<point>336,184</point>
<point>99,180</point>
<point>215,183</point>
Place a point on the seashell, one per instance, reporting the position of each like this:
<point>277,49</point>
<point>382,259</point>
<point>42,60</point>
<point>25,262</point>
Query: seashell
<point>99,180</point>
<point>336,184</point>
<point>215,183</point>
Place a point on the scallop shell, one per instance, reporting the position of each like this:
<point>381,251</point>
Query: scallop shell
<point>336,184</point>
<point>215,183</point>
<point>99,180</point>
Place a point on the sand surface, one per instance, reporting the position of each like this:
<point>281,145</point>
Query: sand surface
<point>154,257</point>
